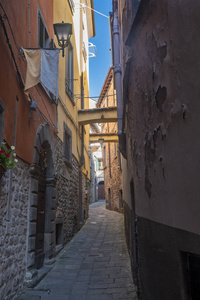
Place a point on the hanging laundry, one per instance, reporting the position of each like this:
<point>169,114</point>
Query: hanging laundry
<point>42,66</point>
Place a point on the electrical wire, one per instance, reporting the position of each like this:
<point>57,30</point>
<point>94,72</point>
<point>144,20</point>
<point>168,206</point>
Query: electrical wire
<point>83,6</point>
<point>45,118</point>
<point>9,26</point>
<point>44,105</point>
<point>11,51</point>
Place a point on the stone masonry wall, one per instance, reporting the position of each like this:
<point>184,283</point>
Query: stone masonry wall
<point>14,217</point>
<point>67,192</point>
<point>13,229</point>
<point>85,197</point>
<point>92,181</point>
<point>113,180</point>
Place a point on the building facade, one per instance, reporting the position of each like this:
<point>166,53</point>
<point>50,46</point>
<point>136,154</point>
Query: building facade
<point>97,183</point>
<point>159,53</point>
<point>111,154</point>
<point>43,198</point>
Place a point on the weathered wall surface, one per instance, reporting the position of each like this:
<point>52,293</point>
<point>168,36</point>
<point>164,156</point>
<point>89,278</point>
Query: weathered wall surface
<point>113,180</point>
<point>160,71</point>
<point>163,111</point>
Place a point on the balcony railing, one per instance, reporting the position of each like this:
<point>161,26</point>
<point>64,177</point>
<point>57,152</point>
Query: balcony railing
<point>72,5</point>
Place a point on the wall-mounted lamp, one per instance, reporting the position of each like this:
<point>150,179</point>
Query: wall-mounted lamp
<point>63,32</point>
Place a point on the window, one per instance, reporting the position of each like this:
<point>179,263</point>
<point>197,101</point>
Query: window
<point>119,159</point>
<point>104,156</point>
<point>115,149</point>
<point>100,164</point>
<point>120,199</point>
<point>2,113</point>
<point>69,72</point>
<point>193,271</point>
<point>67,145</point>
<point>59,234</point>
<point>43,35</point>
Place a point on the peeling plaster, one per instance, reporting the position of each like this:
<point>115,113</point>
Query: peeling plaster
<point>160,97</point>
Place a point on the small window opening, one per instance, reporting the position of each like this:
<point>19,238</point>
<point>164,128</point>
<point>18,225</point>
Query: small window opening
<point>59,234</point>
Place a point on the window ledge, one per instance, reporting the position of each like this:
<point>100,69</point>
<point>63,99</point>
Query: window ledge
<point>69,93</point>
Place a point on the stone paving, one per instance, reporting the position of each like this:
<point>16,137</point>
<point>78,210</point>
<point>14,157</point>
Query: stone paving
<point>94,266</point>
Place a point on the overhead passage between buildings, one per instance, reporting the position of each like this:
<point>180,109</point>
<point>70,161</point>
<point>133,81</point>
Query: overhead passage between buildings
<point>97,115</point>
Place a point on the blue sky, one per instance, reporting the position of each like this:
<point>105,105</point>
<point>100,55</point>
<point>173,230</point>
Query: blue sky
<point>100,64</point>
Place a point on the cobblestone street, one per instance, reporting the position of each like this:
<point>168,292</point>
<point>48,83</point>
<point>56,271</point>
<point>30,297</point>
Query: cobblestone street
<point>94,266</point>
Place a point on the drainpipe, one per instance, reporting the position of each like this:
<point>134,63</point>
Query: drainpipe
<point>82,127</point>
<point>118,78</point>
<point>29,24</point>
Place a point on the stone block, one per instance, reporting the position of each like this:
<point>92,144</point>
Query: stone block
<point>33,214</point>
<point>33,199</point>
<point>31,243</point>
<point>50,226</point>
<point>30,259</point>
<point>50,251</point>
<point>34,185</point>
<point>32,228</point>
<point>48,239</point>
<point>53,193</point>
<point>50,215</point>
<point>54,203</point>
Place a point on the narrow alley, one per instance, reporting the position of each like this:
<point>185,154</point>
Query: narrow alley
<point>99,150</point>
<point>94,266</point>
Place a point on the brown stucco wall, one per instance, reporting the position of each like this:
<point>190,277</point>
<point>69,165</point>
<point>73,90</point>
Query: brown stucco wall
<point>163,111</point>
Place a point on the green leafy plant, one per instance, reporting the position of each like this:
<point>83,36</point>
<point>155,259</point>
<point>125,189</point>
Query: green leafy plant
<point>7,156</point>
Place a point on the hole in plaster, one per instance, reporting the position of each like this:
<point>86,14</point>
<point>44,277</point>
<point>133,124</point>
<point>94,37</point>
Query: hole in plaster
<point>160,97</point>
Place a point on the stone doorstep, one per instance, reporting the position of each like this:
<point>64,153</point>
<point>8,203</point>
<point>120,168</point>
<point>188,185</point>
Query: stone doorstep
<point>41,273</point>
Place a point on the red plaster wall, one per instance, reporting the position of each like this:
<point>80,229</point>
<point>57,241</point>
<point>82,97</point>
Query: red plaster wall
<point>26,129</point>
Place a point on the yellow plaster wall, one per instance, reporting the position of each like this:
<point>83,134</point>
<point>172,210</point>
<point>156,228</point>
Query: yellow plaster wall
<point>62,12</point>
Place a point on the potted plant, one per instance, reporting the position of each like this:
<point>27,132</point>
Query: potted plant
<point>7,158</point>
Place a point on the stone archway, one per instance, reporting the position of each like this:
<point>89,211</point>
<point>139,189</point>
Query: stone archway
<point>42,174</point>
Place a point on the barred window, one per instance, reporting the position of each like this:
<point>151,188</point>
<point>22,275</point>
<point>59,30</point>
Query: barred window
<point>104,156</point>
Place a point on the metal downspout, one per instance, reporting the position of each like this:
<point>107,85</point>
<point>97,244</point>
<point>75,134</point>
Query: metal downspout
<point>117,66</point>
<point>118,78</point>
